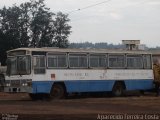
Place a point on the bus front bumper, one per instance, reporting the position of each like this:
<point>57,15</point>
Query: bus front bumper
<point>23,89</point>
<point>18,86</point>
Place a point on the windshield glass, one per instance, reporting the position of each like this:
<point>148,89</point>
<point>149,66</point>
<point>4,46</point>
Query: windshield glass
<point>19,65</point>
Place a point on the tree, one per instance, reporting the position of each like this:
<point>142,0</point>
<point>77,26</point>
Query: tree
<point>42,25</point>
<point>32,24</point>
<point>9,26</point>
<point>62,30</point>
<point>3,47</point>
<point>9,33</point>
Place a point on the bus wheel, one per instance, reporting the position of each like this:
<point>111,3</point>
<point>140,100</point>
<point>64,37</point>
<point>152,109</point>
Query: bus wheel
<point>118,89</point>
<point>57,92</point>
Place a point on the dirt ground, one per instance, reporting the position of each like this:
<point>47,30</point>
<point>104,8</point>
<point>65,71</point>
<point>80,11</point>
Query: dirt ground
<point>21,107</point>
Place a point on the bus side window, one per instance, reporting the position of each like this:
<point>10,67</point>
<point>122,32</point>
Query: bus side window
<point>57,60</point>
<point>39,64</point>
<point>134,61</point>
<point>147,61</point>
<point>116,61</point>
<point>78,60</point>
<point>99,61</point>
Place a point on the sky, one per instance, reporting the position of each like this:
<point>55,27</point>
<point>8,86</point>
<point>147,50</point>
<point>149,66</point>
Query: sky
<point>108,20</point>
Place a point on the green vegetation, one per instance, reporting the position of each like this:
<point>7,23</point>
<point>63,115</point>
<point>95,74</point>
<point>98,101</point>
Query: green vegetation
<point>32,24</point>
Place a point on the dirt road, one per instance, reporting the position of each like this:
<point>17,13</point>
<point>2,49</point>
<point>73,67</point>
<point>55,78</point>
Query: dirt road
<point>20,106</point>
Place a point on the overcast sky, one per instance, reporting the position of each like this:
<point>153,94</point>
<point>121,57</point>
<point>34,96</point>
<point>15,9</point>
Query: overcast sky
<point>110,22</point>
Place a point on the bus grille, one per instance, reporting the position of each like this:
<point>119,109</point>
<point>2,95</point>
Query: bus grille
<point>15,83</point>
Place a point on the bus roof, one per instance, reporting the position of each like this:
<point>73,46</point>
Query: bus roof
<point>76,50</point>
<point>155,52</point>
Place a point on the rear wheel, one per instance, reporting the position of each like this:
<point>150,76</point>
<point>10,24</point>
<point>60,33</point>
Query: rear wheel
<point>118,89</point>
<point>58,92</point>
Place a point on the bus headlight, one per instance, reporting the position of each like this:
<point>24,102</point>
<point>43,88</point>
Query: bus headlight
<point>24,84</point>
<point>27,82</point>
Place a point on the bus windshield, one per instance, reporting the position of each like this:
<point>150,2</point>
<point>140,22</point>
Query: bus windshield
<point>19,65</point>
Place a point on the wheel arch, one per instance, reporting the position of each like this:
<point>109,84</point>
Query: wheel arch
<point>119,82</point>
<point>118,88</point>
<point>59,83</point>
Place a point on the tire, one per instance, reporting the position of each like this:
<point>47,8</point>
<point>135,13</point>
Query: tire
<point>57,92</point>
<point>118,89</point>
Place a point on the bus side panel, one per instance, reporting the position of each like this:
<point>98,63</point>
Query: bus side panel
<point>89,85</point>
<point>139,84</point>
<point>41,86</point>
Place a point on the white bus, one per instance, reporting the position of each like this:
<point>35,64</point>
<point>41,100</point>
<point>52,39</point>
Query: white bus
<point>57,72</point>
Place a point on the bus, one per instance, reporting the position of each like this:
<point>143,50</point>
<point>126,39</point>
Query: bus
<point>58,72</point>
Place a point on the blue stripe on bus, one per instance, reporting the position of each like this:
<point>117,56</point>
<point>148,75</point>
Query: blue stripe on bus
<point>139,84</point>
<point>41,86</point>
<point>91,85</point>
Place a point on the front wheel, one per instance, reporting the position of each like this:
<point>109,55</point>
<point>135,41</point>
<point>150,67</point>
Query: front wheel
<point>58,92</point>
<point>118,89</point>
